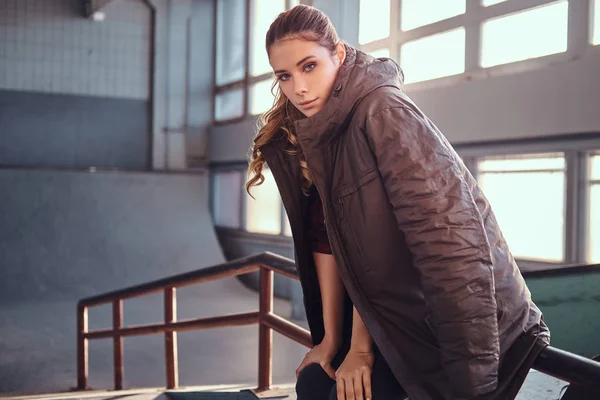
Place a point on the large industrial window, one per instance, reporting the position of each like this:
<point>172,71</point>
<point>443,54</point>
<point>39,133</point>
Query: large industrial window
<point>437,39</point>
<point>593,253</point>
<point>243,76</point>
<point>527,195</point>
<point>417,13</point>
<point>434,56</point>
<point>370,11</point>
<point>263,215</point>
<point>528,34</point>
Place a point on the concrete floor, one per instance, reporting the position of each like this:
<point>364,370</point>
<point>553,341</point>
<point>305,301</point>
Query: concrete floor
<point>537,387</point>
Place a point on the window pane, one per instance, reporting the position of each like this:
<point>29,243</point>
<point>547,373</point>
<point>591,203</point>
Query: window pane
<point>529,34</point>
<point>287,229</point>
<point>523,163</point>
<point>227,196</point>
<point>595,168</point>
<point>261,98</point>
<point>529,207</point>
<point>263,215</point>
<point>381,53</point>
<point>416,13</point>
<point>594,233</point>
<point>434,56</point>
<point>487,3</point>
<point>264,13</point>
<point>374,20</point>
<point>596,35</point>
<point>231,22</point>
<point>229,104</point>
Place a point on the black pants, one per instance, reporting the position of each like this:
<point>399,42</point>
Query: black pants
<point>314,384</point>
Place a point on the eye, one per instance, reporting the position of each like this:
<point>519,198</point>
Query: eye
<point>309,67</point>
<point>283,77</point>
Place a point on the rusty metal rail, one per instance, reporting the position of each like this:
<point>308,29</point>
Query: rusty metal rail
<point>579,371</point>
<point>267,263</point>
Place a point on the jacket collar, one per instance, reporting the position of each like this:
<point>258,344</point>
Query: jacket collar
<point>358,76</point>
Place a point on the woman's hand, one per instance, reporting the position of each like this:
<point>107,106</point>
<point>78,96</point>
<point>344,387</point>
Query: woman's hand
<point>353,377</point>
<point>321,354</point>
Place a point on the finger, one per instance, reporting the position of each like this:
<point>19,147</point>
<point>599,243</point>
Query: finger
<point>358,386</point>
<point>349,384</point>
<point>341,390</point>
<point>366,379</point>
<point>329,370</point>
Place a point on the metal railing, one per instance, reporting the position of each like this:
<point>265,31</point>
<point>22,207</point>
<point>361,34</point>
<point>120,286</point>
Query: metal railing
<point>267,263</point>
<point>551,361</point>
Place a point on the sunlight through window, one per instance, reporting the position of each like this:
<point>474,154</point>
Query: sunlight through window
<point>416,13</point>
<point>261,98</point>
<point>594,212</point>
<point>434,56</point>
<point>596,27</point>
<point>374,20</point>
<point>527,195</point>
<point>263,215</point>
<point>264,13</point>
<point>528,34</point>
<point>487,3</point>
<point>381,53</point>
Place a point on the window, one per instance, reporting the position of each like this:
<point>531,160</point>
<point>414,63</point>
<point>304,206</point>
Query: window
<point>263,215</point>
<point>527,195</point>
<point>261,98</point>
<point>264,13</point>
<point>231,51</point>
<point>229,104</point>
<point>434,56</point>
<point>416,13</point>
<point>227,196</point>
<point>235,97</point>
<point>529,34</point>
<point>596,23</point>
<point>593,255</point>
<point>287,228</point>
<point>487,3</point>
<point>374,20</point>
<point>381,53</point>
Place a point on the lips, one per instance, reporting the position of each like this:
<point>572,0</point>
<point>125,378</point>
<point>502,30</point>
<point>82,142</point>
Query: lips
<point>307,103</point>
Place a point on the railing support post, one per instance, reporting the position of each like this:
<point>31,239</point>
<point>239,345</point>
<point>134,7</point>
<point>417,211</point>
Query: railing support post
<point>117,307</point>
<point>82,348</point>
<point>265,334</point>
<point>172,369</point>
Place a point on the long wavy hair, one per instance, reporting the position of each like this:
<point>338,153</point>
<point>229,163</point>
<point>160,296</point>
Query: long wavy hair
<point>301,22</point>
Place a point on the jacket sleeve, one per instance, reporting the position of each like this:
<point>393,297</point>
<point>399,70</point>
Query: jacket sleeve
<point>444,230</point>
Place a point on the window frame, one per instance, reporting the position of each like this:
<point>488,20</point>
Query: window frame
<point>579,38</point>
<point>576,149</point>
<point>248,80</point>
<point>242,168</point>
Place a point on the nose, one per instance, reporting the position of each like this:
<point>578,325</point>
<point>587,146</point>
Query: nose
<point>300,87</point>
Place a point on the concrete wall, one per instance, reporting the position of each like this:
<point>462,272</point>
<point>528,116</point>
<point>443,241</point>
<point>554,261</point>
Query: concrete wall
<point>66,235</point>
<point>61,72</point>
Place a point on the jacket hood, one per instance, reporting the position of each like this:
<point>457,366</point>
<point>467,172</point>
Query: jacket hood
<point>359,75</point>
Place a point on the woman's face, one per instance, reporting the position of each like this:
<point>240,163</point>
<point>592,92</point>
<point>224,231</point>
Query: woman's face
<point>306,72</point>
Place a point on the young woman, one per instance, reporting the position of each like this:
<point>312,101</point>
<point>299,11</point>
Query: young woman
<point>410,288</point>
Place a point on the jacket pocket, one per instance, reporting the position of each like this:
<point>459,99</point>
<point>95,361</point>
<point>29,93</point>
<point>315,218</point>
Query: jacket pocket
<point>343,196</point>
<point>364,178</point>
